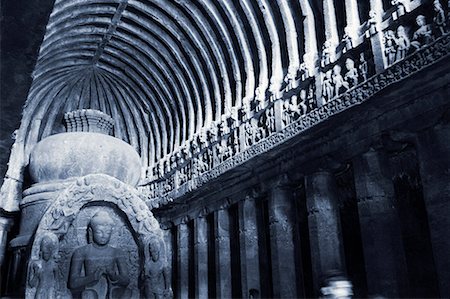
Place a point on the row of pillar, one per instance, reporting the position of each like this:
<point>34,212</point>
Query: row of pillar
<point>384,257</point>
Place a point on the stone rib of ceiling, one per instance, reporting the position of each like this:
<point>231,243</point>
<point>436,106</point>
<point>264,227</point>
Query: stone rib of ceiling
<point>163,69</point>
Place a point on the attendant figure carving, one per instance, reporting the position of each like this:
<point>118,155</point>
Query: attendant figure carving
<point>372,22</point>
<point>362,67</point>
<point>403,43</point>
<point>43,273</point>
<point>423,35</point>
<point>327,86</point>
<point>248,130</point>
<point>97,269</point>
<point>390,46</point>
<point>338,81</point>
<point>156,273</point>
<point>351,76</point>
<point>439,19</point>
<point>303,105</point>
<point>326,53</point>
<point>347,40</point>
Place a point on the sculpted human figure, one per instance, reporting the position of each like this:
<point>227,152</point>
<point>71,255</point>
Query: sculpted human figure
<point>327,86</point>
<point>326,53</point>
<point>338,81</point>
<point>403,43</point>
<point>156,273</point>
<point>390,46</point>
<point>362,67</point>
<point>43,272</point>
<point>439,19</point>
<point>422,36</point>
<point>97,269</point>
<point>351,76</point>
<point>347,40</point>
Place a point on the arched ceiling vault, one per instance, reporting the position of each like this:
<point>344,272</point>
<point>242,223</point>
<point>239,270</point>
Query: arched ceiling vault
<point>163,69</point>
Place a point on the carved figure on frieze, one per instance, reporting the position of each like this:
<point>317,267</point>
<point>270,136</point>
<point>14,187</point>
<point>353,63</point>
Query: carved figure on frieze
<point>248,133</point>
<point>362,67</point>
<point>347,40</point>
<point>423,35</point>
<point>290,77</point>
<point>311,98</point>
<point>173,161</point>
<point>304,71</point>
<point>403,43</point>
<point>212,135</point>
<point>372,23</point>
<point>98,269</point>
<point>390,47</point>
<point>232,120</point>
<point>203,140</point>
<point>338,81</point>
<point>328,86</point>
<point>439,19</point>
<point>61,221</point>
<point>258,100</point>
<point>270,120</point>
<point>291,111</point>
<point>223,151</point>
<point>195,148</point>
<point>326,53</point>
<point>43,273</point>
<point>351,76</point>
<point>156,273</point>
<point>304,102</point>
<point>244,110</point>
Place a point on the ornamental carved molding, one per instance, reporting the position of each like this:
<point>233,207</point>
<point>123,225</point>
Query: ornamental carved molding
<point>425,56</point>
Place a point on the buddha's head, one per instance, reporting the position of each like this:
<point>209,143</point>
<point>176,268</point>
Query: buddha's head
<point>154,247</point>
<point>100,226</point>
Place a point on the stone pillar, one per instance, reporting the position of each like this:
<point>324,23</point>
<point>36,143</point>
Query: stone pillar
<point>433,149</point>
<point>325,232</point>
<point>352,14</point>
<point>380,227</point>
<point>282,226</point>
<point>201,256</point>
<point>5,225</point>
<point>183,260</point>
<point>223,253</point>
<point>376,39</point>
<point>331,32</point>
<point>248,235</point>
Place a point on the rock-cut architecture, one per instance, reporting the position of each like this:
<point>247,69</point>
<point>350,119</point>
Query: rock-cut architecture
<point>228,149</point>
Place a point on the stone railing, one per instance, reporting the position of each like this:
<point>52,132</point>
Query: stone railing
<point>302,104</point>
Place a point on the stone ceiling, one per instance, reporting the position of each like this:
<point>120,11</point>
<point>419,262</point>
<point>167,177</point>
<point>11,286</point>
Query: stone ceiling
<point>163,69</point>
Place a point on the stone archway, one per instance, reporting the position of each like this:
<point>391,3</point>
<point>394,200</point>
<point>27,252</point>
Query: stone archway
<point>65,220</point>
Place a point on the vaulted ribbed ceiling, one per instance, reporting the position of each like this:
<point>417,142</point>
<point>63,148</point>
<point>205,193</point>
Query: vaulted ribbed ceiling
<point>164,69</point>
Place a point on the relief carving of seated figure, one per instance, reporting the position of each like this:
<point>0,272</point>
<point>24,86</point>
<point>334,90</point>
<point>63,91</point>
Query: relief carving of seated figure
<point>98,270</point>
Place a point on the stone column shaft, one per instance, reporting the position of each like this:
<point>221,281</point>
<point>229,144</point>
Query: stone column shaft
<point>282,225</point>
<point>380,227</point>
<point>201,257</point>
<point>223,253</point>
<point>433,149</point>
<point>5,225</point>
<point>324,225</point>
<point>250,271</point>
<point>183,261</point>
<point>352,14</point>
<point>331,32</point>
<point>376,40</point>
